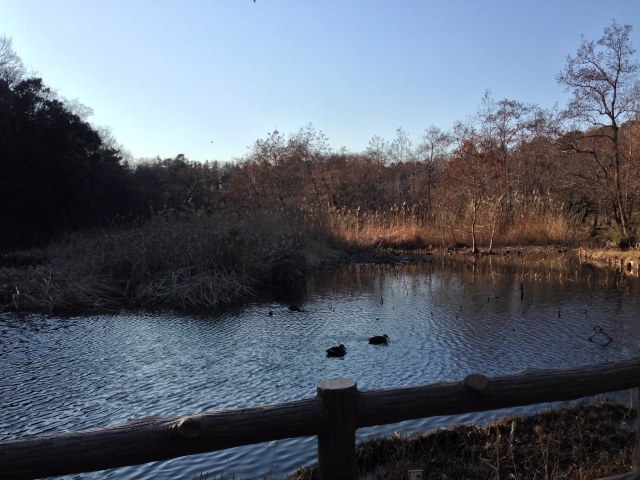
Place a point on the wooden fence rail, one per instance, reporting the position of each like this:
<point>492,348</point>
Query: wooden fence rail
<point>333,415</point>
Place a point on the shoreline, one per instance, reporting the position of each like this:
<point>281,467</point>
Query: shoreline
<point>27,285</point>
<point>590,441</point>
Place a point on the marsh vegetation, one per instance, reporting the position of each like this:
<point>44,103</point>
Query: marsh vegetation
<point>87,228</point>
<point>110,231</point>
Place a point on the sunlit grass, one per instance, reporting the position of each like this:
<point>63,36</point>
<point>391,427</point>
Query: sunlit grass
<point>401,227</point>
<point>398,227</point>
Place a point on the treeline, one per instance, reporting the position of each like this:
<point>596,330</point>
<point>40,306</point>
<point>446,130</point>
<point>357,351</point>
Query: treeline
<point>60,174</point>
<point>512,173</point>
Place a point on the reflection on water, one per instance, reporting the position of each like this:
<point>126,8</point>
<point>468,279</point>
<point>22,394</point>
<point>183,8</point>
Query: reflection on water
<point>59,374</point>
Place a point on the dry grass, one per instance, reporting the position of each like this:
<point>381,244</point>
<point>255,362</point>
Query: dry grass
<point>194,261</point>
<point>586,442</point>
<point>541,229</point>
<point>626,262</point>
<point>186,261</point>
<point>400,227</point>
<point>397,228</point>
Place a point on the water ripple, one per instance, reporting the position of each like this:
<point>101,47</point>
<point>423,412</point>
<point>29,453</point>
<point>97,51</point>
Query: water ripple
<point>64,374</point>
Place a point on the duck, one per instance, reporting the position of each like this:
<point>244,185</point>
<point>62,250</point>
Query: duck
<point>379,340</point>
<point>339,351</point>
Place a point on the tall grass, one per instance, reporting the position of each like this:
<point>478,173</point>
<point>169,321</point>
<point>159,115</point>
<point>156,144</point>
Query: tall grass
<point>185,261</point>
<point>193,260</point>
<point>402,227</point>
<point>542,221</point>
<point>397,227</point>
<point>584,442</point>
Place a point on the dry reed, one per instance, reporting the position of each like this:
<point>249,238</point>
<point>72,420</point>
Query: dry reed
<point>182,261</point>
<point>401,227</point>
<point>583,442</point>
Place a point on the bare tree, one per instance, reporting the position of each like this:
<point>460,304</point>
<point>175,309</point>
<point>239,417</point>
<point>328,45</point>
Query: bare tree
<point>12,70</point>
<point>471,188</point>
<point>432,151</point>
<point>401,149</point>
<point>377,150</point>
<point>504,123</point>
<point>110,142</point>
<point>603,77</point>
<point>78,108</point>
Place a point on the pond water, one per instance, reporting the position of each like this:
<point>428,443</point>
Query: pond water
<point>63,374</point>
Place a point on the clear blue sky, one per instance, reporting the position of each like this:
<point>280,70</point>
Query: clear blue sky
<point>170,77</point>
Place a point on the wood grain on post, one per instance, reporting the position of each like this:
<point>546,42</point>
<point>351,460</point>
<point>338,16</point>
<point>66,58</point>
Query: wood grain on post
<point>337,438</point>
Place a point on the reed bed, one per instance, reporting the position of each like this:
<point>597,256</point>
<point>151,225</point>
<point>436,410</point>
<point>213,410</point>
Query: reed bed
<point>541,229</point>
<point>397,227</point>
<point>192,260</point>
<point>182,261</point>
<point>402,226</point>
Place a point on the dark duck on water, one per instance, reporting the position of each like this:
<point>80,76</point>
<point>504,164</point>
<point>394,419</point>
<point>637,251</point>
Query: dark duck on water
<point>379,340</point>
<point>339,351</point>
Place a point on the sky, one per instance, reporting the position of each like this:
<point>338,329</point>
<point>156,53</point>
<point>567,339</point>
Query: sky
<point>207,78</point>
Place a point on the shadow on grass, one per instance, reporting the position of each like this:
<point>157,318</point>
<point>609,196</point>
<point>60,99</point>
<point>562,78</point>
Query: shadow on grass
<point>582,442</point>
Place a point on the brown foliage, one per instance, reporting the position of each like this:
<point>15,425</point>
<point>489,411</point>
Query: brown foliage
<point>585,442</point>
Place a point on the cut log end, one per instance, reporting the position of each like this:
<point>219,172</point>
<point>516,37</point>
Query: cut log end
<point>189,427</point>
<point>476,383</point>
<point>332,384</point>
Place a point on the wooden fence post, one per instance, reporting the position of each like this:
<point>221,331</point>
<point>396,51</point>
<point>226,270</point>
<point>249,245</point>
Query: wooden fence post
<point>337,439</point>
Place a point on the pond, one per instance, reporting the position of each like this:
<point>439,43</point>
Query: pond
<point>63,374</point>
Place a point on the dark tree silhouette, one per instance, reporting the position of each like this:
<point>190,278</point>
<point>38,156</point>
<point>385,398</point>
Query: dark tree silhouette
<point>55,174</point>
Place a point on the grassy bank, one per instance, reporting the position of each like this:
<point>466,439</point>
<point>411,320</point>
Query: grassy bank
<point>626,262</point>
<point>583,442</point>
<point>193,260</point>
<point>182,261</point>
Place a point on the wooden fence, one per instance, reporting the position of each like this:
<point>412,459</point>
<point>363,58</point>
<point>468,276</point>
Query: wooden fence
<point>333,415</point>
